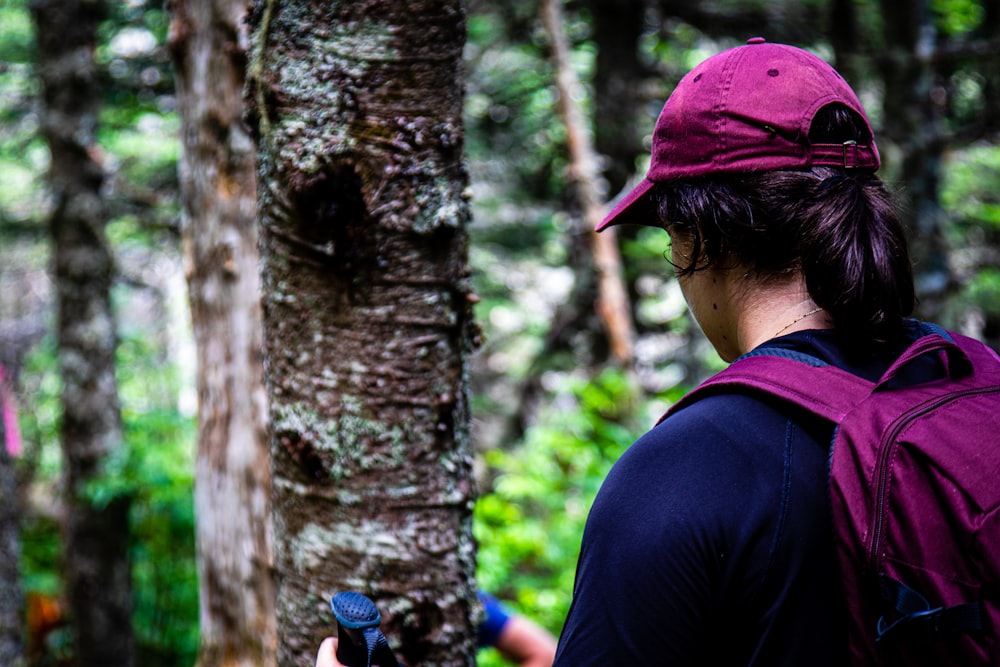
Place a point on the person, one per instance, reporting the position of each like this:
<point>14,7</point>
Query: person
<point>517,638</point>
<point>711,540</point>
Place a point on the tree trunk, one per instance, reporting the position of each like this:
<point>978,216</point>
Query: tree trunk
<point>11,613</point>
<point>367,317</point>
<point>232,486</point>
<point>913,107</point>
<point>845,39</point>
<point>96,528</point>
<point>618,88</point>
<point>612,304</point>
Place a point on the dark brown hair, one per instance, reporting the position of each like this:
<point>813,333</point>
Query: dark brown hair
<point>838,226</point>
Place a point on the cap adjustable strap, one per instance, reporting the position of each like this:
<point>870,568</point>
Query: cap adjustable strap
<point>849,155</point>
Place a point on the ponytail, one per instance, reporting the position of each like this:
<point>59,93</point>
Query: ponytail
<point>854,256</point>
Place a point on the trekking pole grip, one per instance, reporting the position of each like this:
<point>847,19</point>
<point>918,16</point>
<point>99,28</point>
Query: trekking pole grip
<point>360,641</point>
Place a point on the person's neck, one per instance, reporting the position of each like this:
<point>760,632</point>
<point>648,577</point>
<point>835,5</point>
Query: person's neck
<point>777,310</point>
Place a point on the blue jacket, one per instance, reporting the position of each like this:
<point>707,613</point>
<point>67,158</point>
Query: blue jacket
<point>710,542</point>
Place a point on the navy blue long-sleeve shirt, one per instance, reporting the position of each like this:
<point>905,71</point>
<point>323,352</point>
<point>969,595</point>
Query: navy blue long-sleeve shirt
<point>711,542</point>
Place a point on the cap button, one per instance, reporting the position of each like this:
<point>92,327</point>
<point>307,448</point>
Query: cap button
<point>756,40</point>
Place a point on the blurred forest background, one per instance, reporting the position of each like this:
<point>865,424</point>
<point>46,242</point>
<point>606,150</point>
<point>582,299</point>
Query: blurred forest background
<point>554,404</point>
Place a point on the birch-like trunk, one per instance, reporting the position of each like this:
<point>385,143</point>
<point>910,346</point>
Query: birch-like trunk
<point>208,39</point>
<point>368,317</point>
<point>97,567</point>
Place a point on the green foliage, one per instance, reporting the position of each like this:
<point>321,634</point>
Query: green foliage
<point>22,155</point>
<point>41,555</point>
<point>155,468</point>
<point>17,38</point>
<point>971,195</point>
<point>512,126</point>
<point>131,53</point>
<point>529,527</point>
<point>146,146</point>
<point>957,17</point>
<point>163,556</point>
<point>158,474</point>
<point>970,192</point>
<point>985,290</point>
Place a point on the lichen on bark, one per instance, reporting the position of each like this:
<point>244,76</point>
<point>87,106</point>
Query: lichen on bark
<point>368,320</point>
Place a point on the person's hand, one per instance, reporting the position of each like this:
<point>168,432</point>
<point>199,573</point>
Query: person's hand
<point>327,655</point>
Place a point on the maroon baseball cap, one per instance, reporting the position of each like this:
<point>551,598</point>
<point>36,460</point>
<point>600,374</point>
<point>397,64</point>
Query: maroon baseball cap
<point>746,109</point>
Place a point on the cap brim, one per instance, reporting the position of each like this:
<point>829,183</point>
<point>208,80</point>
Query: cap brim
<point>635,208</point>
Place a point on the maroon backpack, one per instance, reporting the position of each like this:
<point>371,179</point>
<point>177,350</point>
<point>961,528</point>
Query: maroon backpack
<point>915,487</point>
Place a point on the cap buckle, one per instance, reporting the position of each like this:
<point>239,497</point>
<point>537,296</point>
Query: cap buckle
<point>854,154</point>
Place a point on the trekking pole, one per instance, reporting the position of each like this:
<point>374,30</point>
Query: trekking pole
<point>361,642</point>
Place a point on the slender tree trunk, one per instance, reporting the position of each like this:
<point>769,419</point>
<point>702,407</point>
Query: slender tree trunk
<point>96,528</point>
<point>612,298</point>
<point>11,613</point>
<point>913,107</point>
<point>844,38</point>
<point>618,88</point>
<point>599,303</point>
<point>367,317</point>
<point>989,30</point>
<point>208,40</point>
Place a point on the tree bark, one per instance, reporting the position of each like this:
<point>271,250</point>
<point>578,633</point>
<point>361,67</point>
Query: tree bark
<point>367,317</point>
<point>11,613</point>
<point>209,42</point>
<point>96,540</point>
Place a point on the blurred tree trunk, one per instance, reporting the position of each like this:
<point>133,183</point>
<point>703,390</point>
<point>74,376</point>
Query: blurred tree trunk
<point>844,38</point>
<point>367,317</point>
<point>11,612</point>
<point>612,300</point>
<point>208,41</point>
<point>791,22</point>
<point>596,319</point>
<point>989,33</point>
<point>618,85</point>
<point>913,105</point>
<point>96,536</point>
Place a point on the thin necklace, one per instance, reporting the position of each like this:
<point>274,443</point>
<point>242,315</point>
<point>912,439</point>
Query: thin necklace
<point>797,319</point>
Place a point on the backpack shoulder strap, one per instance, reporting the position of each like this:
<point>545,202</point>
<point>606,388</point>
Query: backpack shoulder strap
<point>832,392</point>
<point>799,378</point>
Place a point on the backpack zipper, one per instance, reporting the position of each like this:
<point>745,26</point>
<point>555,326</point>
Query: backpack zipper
<point>885,449</point>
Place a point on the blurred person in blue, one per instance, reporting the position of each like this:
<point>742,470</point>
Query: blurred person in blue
<point>517,638</point>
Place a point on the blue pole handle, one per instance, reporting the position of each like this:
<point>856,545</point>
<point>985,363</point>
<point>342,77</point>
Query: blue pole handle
<point>361,642</point>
